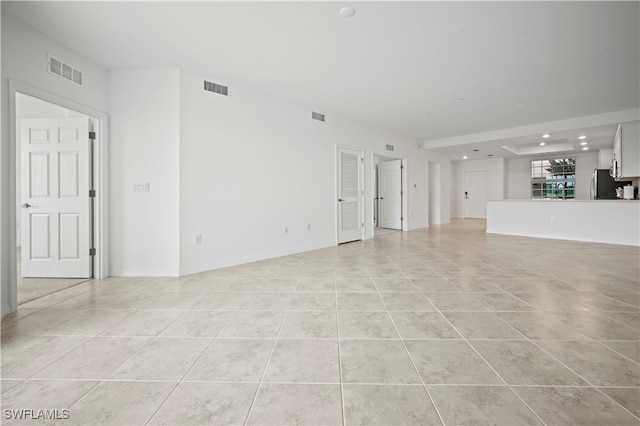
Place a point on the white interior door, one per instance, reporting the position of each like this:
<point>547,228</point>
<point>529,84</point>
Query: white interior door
<point>350,195</point>
<point>476,194</point>
<point>55,167</point>
<point>390,194</point>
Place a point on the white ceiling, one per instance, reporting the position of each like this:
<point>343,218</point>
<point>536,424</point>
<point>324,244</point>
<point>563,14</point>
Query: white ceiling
<point>428,70</point>
<point>598,137</point>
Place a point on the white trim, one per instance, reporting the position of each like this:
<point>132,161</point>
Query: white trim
<point>538,128</point>
<point>405,188</point>
<point>487,193</point>
<point>362,189</point>
<point>100,174</point>
<point>6,310</point>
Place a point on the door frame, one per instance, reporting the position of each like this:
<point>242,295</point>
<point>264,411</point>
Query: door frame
<point>51,203</point>
<point>405,186</point>
<point>488,191</point>
<point>361,189</point>
<point>100,183</point>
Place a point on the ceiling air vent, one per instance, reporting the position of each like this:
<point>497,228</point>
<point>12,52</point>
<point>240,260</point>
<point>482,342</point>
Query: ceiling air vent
<point>66,71</point>
<point>317,116</point>
<point>216,88</point>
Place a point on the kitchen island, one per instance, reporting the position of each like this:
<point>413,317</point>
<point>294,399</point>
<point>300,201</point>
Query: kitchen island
<point>598,221</point>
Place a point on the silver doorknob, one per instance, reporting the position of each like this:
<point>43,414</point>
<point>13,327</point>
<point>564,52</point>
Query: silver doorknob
<point>26,205</point>
<point>340,200</point>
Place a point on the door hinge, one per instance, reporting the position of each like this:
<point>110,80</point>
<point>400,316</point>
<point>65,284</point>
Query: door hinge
<point>92,252</point>
<point>92,193</point>
<point>362,224</point>
<point>92,135</point>
<point>362,160</point>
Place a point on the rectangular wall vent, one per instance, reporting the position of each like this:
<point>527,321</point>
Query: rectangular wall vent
<point>390,148</point>
<point>64,70</point>
<point>216,88</point>
<point>317,116</point>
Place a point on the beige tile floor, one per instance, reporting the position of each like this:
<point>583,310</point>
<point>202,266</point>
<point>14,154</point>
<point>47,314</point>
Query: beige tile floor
<point>439,326</point>
<point>34,288</point>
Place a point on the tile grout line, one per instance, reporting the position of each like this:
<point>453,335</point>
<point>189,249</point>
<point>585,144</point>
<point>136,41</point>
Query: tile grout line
<point>616,300</point>
<point>55,292</point>
<point>369,250</point>
<point>617,320</point>
<point>344,414</point>
<point>592,386</point>
<point>620,405</point>
<point>321,383</point>
<point>621,354</point>
<point>190,368</point>
<point>275,342</point>
<point>424,386</point>
<point>607,395</point>
<point>102,380</point>
<point>491,367</point>
<point>80,396</point>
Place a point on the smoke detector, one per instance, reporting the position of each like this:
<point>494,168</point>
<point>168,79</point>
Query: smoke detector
<point>347,12</point>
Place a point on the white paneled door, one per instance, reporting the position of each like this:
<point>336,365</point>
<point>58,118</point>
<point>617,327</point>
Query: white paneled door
<point>55,183</point>
<point>390,194</point>
<point>350,195</point>
<point>476,194</point>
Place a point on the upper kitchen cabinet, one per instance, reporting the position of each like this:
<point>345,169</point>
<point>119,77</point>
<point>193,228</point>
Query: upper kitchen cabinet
<point>626,151</point>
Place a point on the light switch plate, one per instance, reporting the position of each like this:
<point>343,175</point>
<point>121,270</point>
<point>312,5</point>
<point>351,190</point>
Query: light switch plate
<point>141,187</point>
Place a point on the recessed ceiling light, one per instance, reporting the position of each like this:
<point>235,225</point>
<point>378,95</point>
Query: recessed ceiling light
<point>347,12</point>
<point>461,99</point>
<point>543,143</point>
<point>465,157</point>
<point>546,135</point>
<point>476,150</point>
<point>583,143</point>
<point>582,137</point>
<point>586,148</point>
<point>489,155</point>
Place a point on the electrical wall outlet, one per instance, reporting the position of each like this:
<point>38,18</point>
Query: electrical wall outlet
<point>198,239</point>
<point>308,227</point>
<point>285,229</point>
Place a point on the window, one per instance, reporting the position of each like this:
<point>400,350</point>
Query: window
<point>555,179</point>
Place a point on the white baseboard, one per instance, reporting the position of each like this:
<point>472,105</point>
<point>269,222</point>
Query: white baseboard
<point>6,310</point>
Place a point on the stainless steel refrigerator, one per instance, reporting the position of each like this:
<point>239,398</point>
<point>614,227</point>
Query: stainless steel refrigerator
<point>603,186</point>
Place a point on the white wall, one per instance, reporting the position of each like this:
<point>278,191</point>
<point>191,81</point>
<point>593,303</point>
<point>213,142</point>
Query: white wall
<point>605,156</point>
<point>496,169</point>
<point>435,194</point>
<point>578,220</point>
<point>24,53</point>
<point>285,164</point>
<point>444,196</point>
<point>519,176</point>
<point>251,164</point>
<point>145,148</point>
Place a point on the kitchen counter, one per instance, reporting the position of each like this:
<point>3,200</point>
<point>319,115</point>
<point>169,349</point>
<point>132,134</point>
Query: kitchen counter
<point>567,201</point>
<point>599,221</point>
